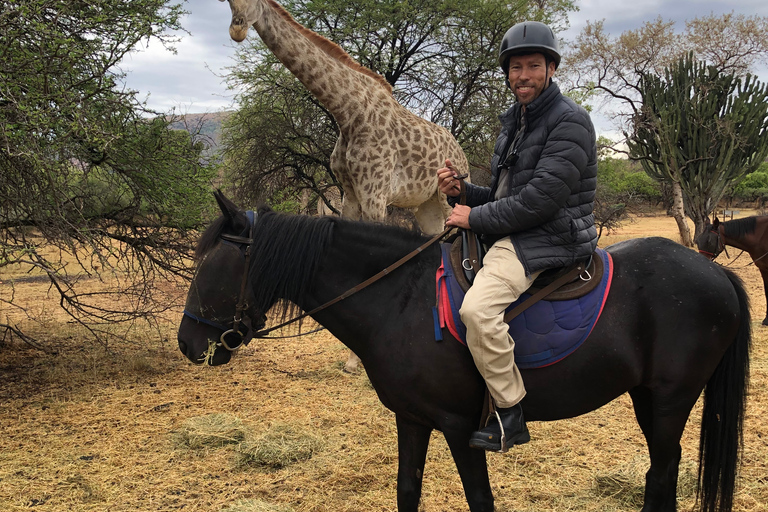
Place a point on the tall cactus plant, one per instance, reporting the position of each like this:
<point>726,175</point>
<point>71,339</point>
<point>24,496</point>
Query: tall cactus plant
<point>701,131</point>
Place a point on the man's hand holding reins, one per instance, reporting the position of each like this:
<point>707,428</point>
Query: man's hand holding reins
<point>448,181</point>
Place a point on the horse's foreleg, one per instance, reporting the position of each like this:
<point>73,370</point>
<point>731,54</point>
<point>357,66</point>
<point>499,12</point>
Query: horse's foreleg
<point>412,444</point>
<point>473,471</point>
<point>764,273</point>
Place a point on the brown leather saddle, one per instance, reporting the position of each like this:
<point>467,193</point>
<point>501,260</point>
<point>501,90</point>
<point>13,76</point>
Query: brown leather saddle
<point>585,276</point>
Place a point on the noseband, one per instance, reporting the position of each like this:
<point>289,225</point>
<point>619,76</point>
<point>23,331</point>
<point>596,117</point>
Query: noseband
<point>718,249</point>
<point>233,338</point>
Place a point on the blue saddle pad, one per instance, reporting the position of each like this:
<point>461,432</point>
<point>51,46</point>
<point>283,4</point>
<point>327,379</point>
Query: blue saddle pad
<point>545,333</point>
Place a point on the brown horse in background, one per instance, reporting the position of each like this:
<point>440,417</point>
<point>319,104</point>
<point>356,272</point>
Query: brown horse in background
<point>749,234</point>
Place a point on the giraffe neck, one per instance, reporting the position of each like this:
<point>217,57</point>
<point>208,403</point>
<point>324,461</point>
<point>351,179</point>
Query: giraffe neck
<point>330,74</point>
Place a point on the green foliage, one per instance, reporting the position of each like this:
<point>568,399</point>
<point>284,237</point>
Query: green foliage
<point>622,187</point>
<point>626,178</point>
<point>66,124</point>
<point>754,186</point>
<point>83,164</point>
<point>701,128</point>
<point>439,55</point>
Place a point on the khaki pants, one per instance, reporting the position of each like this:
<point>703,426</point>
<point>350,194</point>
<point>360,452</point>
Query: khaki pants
<point>499,283</point>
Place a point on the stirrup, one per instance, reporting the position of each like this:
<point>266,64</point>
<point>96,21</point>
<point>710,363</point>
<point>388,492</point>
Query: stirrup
<point>504,447</point>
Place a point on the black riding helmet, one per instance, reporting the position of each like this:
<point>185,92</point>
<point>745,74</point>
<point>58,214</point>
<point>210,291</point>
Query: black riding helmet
<point>529,37</point>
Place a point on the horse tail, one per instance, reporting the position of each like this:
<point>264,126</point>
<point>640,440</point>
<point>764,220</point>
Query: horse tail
<point>723,415</point>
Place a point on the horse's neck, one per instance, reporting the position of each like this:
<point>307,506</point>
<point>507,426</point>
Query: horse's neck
<point>350,262</point>
<point>748,242</point>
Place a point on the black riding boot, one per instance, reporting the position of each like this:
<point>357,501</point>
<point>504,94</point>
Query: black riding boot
<point>512,426</point>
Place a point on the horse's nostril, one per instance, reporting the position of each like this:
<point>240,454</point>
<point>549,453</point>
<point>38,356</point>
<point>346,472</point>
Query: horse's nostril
<point>182,347</point>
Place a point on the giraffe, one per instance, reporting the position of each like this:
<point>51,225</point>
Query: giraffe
<point>385,154</point>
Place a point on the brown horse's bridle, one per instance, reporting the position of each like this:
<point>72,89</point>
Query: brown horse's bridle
<point>720,246</point>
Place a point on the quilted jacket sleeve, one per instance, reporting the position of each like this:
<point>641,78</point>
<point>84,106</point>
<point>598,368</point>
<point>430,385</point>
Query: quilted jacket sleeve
<point>547,185</point>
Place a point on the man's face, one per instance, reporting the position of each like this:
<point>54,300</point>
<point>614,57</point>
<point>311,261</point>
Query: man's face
<point>529,76</point>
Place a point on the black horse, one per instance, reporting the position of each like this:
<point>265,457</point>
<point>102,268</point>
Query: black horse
<point>674,324</point>
<point>748,234</point>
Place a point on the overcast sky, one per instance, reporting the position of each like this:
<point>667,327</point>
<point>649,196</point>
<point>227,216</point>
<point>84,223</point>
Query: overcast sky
<point>191,81</point>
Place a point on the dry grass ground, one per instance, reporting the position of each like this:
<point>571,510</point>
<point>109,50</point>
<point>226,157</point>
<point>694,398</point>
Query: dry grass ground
<point>141,429</point>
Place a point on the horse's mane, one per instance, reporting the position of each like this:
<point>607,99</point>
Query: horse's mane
<point>286,254</point>
<point>332,49</point>
<point>739,227</point>
<point>288,249</point>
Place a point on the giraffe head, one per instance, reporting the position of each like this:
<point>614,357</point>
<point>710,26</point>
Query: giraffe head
<point>244,14</point>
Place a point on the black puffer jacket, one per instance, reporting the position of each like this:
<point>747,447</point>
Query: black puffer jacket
<point>551,188</point>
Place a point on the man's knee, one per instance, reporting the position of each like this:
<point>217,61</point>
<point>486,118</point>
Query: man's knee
<point>471,312</point>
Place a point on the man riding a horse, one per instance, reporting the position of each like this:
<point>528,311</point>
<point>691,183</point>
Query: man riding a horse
<point>536,215</point>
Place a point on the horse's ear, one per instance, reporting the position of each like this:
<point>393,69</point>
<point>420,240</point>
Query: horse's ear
<point>228,208</point>
<point>715,223</point>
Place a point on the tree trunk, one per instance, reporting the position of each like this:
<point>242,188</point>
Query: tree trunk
<point>678,213</point>
<point>700,220</point>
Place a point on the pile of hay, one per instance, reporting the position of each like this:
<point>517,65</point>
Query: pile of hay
<point>210,431</point>
<point>255,506</point>
<point>278,447</point>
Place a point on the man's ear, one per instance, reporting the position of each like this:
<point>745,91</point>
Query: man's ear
<point>551,68</point>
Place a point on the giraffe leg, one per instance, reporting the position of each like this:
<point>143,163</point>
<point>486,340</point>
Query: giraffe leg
<point>351,209</point>
<point>372,208</point>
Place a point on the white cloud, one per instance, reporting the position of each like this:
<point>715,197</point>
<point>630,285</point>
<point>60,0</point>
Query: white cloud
<point>189,81</point>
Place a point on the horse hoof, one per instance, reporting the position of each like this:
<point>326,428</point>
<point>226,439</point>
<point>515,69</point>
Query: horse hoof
<point>353,364</point>
<point>351,369</point>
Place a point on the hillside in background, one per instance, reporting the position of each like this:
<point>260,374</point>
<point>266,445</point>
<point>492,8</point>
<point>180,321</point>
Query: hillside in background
<point>205,127</point>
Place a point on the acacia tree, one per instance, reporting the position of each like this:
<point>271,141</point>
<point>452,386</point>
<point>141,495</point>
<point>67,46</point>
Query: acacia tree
<point>439,55</point>
<point>612,68</point>
<point>701,130</point>
<point>84,167</point>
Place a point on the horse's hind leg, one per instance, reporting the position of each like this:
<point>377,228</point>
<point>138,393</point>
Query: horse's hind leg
<point>473,471</point>
<point>412,444</point>
<point>662,427</point>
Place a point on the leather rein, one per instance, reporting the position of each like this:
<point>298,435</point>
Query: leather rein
<point>233,338</point>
